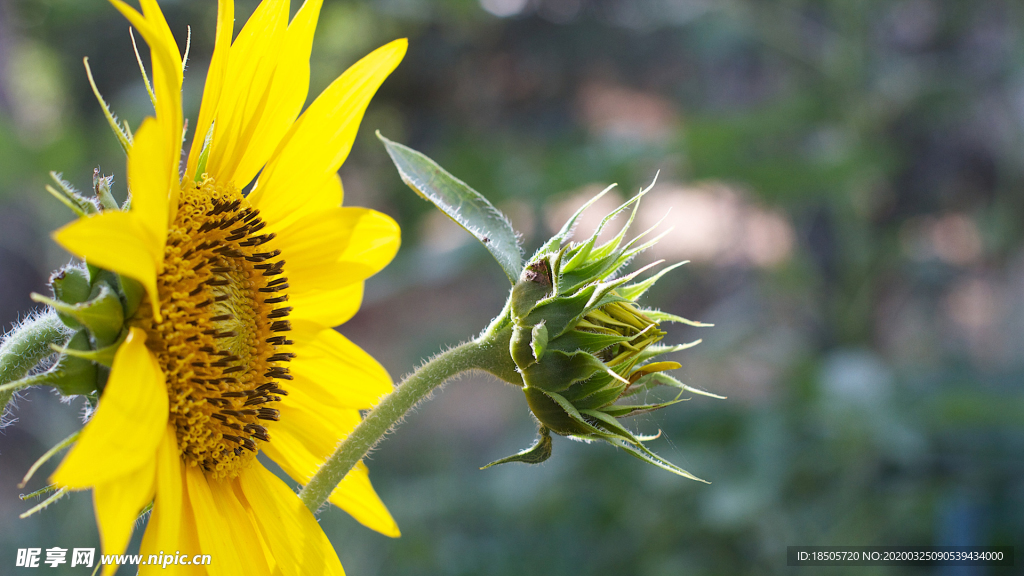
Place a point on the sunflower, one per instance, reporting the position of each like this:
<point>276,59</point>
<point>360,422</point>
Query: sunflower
<point>231,352</point>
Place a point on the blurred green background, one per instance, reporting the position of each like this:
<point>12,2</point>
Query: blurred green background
<point>846,178</point>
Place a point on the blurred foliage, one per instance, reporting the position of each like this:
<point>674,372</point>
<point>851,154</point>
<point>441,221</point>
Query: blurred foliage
<point>872,362</point>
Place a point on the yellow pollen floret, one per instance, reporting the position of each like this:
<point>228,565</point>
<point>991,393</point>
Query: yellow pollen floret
<point>221,343</point>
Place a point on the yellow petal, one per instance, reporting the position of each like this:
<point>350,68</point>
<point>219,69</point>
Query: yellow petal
<point>326,197</point>
<point>300,443</point>
<point>286,93</point>
<point>327,401</point>
<point>298,543</point>
<point>326,276</point>
<point>319,238</point>
<point>118,503</point>
<point>164,530</point>
<point>245,93</point>
<point>374,242</point>
<point>214,82</point>
<point>224,528</point>
<point>167,72</point>
<point>327,307</point>
<point>318,143</point>
<point>156,541</point>
<point>308,437</point>
<point>115,241</point>
<point>356,496</point>
<point>335,363</point>
<point>128,424</point>
<point>150,180</point>
<point>372,245</point>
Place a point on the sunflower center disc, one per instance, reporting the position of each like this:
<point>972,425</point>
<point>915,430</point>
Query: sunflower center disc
<point>221,293</point>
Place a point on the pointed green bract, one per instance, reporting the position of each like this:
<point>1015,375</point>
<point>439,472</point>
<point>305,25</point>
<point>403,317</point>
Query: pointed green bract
<point>123,135</point>
<point>539,452</point>
<point>102,314</point>
<point>101,186</point>
<point>70,197</point>
<point>70,285</point>
<point>467,207</point>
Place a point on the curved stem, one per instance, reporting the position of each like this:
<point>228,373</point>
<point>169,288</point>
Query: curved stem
<point>488,353</point>
<point>25,346</point>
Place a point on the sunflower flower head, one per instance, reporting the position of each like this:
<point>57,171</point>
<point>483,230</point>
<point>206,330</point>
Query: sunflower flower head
<point>201,322</point>
<point>582,343</point>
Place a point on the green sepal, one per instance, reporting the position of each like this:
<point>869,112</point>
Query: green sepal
<point>133,292</point>
<point>58,493</point>
<point>635,291</point>
<point>123,136</point>
<point>70,197</point>
<point>72,375</point>
<point>99,276</point>
<point>659,316</point>
<point>104,356</point>
<point>556,413</point>
<point>609,425</point>
<point>641,452</point>
<point>661,379</point>
<point>596,270</point>
<point>604,292</point>
<point>624,411</point>
<point>558,239</point>
<point>101,186</point>
<point>655,350</point>
<point>539,452</point>
<point>560,313</point>
<point>103,314</point>
<point>533,286</point>
<point>519,346</point>
<point>599,396</point>
<point>592,342</point>
<point>539,341</point>
<point>71,286</point>
<point>587,253</point>
<point>561,370</point>
<point>47,455</point>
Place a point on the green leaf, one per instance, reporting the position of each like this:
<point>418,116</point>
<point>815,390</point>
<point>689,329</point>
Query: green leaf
<point>539,452</point>
<point>467,207</point>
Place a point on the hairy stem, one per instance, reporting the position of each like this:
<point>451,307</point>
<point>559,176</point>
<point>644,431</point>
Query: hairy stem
<point>24,347</point>
<point>488,353</point>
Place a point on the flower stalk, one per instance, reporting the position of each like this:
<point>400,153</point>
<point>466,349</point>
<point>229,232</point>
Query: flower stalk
<point>488,353</point>
<point>23,348</point>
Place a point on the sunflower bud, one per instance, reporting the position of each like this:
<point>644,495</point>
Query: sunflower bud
<point>578,342</point>
<point>92,303</point>
<point>582,343</point>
